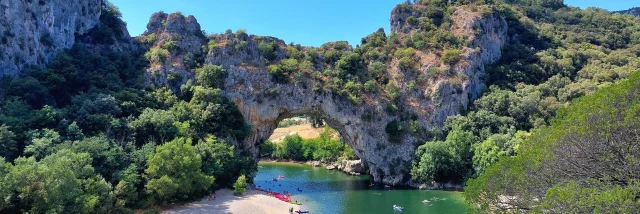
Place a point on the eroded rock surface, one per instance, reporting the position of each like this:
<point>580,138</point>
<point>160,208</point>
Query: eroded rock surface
<point>362,126</point>
<point>32,32</point>
<point>183,39</point>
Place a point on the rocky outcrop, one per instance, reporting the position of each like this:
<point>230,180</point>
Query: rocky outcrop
<point>264,102</point>
<point>633,11</point>
<point>178,43</point>
<point>33,31</point>
<point>354,167</point>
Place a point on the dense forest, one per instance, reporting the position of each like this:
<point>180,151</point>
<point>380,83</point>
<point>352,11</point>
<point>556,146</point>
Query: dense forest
<point>585,161</point>
<point>87,134</point>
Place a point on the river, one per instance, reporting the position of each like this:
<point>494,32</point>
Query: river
<point>332,191</point>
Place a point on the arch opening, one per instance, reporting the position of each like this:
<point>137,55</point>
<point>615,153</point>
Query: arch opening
<point>311,138</point>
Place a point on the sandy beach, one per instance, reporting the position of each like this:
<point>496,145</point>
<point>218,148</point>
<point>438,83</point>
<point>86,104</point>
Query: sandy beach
<point>226,203</point>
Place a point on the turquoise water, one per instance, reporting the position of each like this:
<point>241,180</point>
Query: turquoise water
<point>330,191</point>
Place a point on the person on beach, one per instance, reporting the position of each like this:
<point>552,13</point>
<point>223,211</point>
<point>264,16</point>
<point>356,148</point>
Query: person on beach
<point>291,210</point>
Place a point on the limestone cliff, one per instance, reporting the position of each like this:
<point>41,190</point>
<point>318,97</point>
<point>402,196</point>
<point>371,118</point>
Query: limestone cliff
<point>182,39</point>
<point>33,31</point>
<point>265,101</point>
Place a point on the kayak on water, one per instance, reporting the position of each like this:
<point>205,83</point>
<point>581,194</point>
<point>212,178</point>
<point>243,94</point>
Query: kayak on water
<point>302,211</point>
<point>398,208</point>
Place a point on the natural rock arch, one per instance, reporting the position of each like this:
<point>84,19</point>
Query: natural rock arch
<point>366,137</point>
<point>362,126</point>
<point>264,101</point>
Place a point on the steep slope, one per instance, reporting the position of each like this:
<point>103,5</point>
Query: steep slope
<point>32,32</point>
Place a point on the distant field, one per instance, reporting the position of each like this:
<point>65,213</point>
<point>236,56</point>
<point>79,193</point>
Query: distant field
<point>306,131</point>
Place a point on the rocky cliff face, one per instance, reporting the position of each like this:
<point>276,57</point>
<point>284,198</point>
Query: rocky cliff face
<point>183,40</point>
<point>264,102</point>
<point>33,31</point>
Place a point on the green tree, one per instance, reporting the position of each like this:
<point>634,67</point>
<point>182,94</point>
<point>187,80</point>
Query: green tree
<point>42,143</point>
<point>240,186</point>
<point>154,125</point>
<point>218,160</point>
<point>293,147</point>
<point>175,172</point>
<point>8,144</point>
<point>211,76</point>
<point>64,176</point>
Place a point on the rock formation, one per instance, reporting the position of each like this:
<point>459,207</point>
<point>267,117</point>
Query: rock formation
<point>264,102</point>
<point>633,11</point>
<point>183,39</point>
<point>354,167</point>
<point>33,31</point>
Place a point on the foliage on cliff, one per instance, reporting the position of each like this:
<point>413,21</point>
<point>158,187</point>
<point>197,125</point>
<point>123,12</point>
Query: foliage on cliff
<point>555,54</point>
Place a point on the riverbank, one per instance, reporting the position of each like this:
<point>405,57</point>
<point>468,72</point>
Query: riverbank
<point>254,201</point>
<point>352,167</point>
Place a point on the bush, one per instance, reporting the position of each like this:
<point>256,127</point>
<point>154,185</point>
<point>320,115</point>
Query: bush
<point>211,76</point>
<point>170,46</point>
<point>451,56</point>
<point>240,187</point>
<point>282,71</point>
<point>371,86</point>
<point>395,129</point>
<point>156,55</point>
<point>268,50</point>
<point>212,45</point>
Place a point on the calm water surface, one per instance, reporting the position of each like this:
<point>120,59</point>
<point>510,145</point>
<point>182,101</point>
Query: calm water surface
<point>331,191</point>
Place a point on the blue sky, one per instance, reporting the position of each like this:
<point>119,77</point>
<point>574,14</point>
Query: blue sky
<point>306,22</point>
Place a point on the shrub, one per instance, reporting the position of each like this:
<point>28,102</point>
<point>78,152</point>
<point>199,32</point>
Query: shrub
<point>395,129</point>
<point>405,53</point>
<point>340,45</point>
<point>240,186</point>
<point>241,45</point>
<point>268,50</point>
<point>349,63</point>
<point>156,55</point>
<point>211,76</point>
<point>392,90</point>
<point>149,39</point>
<point>451,56</point>
<point>377,69</point>
<point>241,32</point>
<point>212,44</point>
<point>272,92</point>
<point>170,46</point>
<point>277,73</point>
<point>371,86</point>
